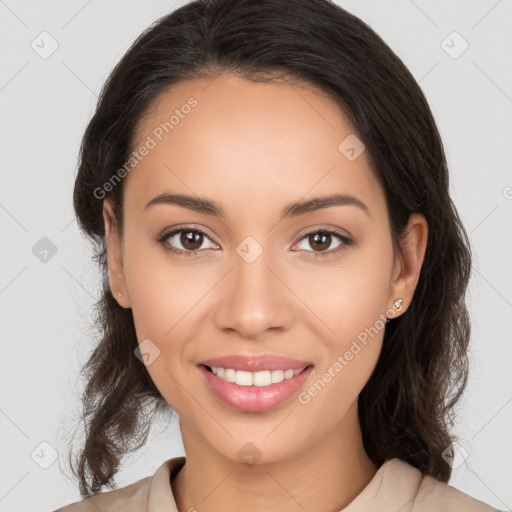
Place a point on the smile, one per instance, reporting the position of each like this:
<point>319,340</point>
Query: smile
<point>246,391</point>
<point>261,378</point>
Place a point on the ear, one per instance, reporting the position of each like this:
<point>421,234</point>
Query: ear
<point>115,257</point>
<point>406,271</point>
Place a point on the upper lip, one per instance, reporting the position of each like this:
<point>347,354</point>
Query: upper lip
<point>256,363</point>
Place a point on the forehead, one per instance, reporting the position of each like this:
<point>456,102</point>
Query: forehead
<point>248,143</point>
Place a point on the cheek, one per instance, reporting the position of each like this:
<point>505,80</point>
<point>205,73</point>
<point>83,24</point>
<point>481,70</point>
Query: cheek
<point>357,316</point>
<point>161,298</point>
<point>350,295</point>
<point>165,297</point>
<point>351,299</point>
<point>162,289</point>
<point>153,301</point>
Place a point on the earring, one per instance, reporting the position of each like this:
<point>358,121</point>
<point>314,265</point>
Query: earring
<point>119,293</point>
<point>398,305</point>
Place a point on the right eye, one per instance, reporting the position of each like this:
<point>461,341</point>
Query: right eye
<point>190,239</point>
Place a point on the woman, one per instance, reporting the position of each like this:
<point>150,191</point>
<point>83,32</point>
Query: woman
<point>283,267</point>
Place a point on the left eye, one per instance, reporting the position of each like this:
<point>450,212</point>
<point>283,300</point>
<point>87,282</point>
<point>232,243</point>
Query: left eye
<point>321,241</point>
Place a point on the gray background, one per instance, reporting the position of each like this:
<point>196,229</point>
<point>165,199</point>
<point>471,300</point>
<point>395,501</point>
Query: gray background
<point>45,104</point>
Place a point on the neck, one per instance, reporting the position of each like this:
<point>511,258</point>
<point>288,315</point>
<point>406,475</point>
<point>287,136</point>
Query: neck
<point>324,477</point>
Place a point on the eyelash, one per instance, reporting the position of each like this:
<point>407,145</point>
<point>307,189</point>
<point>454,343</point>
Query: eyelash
<point>346,241</point>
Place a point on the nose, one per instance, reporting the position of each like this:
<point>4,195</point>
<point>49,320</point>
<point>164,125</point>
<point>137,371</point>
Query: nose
<point>254,299</point>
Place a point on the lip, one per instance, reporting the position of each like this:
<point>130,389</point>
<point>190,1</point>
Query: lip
<point>254,398</point>
<point>256,363</point>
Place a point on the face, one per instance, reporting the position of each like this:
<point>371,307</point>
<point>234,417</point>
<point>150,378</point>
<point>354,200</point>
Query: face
<point>313,285</point>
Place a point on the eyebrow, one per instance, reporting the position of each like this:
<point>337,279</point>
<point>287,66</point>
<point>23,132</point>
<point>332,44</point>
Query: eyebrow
<point>209,207</point>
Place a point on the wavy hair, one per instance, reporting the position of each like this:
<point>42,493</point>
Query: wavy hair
<point>406,409</point>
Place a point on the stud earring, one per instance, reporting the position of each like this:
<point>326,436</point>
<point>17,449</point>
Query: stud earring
<point>398,304</point>
<point>119,293</point>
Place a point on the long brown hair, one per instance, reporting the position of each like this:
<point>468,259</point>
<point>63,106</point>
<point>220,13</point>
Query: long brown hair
<point>406,408</point>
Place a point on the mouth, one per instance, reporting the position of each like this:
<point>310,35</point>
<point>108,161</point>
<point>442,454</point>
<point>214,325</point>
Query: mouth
<point>254,391</point>
<point>260,378</point>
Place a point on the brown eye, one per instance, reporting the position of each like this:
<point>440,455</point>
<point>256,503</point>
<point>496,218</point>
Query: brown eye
<point>321,240</point>
<point>186,241</point>
<point>191,240</point>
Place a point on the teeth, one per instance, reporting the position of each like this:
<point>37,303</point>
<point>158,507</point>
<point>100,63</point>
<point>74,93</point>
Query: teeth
<point>264,378</point>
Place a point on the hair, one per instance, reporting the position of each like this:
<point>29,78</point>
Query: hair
<point>406,409</point>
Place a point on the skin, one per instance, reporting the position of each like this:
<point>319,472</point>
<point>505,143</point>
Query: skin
<point>255,148</point>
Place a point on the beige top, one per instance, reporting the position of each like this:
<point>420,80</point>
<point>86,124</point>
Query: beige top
<point>394,487</point>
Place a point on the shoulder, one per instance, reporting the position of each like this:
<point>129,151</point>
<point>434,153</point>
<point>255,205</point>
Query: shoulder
<point>444,497</point>
<point>134,497</point>
<point>424,493</point>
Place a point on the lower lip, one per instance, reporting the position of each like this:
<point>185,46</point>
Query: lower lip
<point>254,398</point>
